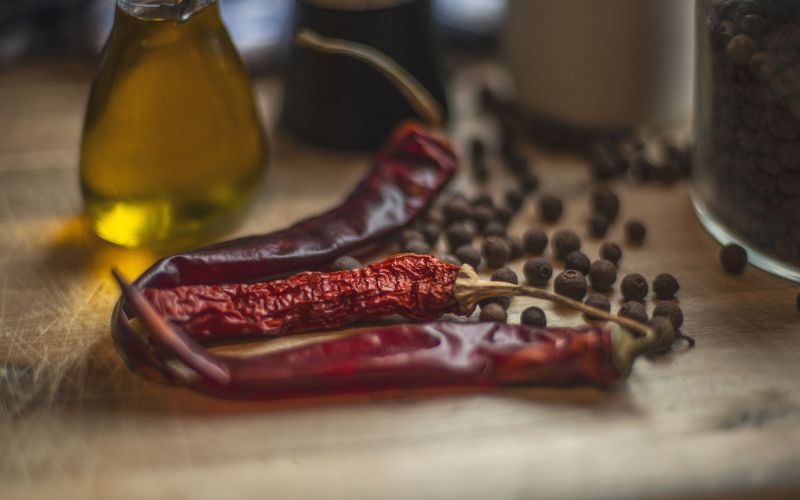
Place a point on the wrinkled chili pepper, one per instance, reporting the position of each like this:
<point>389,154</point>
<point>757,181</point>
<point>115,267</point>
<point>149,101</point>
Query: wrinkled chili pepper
<point>407,175</point>
<point>443,354</point>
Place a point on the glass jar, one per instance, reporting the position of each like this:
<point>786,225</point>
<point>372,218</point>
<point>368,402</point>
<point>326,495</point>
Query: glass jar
<point>747,128</point>
<point>172,145</point>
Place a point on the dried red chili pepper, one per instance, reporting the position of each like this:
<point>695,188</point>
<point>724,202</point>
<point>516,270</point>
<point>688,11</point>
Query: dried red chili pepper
<point>403,356</point>
<point>408,173</point>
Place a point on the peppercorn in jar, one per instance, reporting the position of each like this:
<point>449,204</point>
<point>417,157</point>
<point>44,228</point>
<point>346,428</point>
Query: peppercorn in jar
<point>747,127</point>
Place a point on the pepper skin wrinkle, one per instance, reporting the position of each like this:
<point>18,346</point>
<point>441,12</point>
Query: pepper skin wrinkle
<point>417,287</point>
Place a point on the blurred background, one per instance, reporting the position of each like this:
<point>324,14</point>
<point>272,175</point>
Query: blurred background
<point>260,28</point>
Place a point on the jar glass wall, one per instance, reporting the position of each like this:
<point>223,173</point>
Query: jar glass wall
<point>747,128</point>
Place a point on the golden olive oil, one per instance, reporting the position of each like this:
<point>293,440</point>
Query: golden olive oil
<point>172,145</point>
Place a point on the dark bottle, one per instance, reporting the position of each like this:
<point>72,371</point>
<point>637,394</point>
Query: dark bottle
<point>339,102</point>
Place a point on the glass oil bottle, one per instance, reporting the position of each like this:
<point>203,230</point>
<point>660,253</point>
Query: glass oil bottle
<point>172,146</point>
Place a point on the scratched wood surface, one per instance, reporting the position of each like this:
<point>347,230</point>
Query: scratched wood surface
<point>720,421</point>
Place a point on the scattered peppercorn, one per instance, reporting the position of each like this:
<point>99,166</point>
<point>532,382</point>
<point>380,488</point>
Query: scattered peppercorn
<point>514,199</point>
<point>634,287</point>
<point>564,242</point>
<point>550,208</point>
<point>529,181</point>
<point>457,235</point>
<point>534,241</point>
<point>665,286</point>
<point>598,225</point>
<point>515,244</point>
<point>409,235</point>
<point>506,275</point>
<point>605,202</point>
<point>533,316</point>
<point>537,271</point>
<point>503,214</point>
<point>456,209</point>
<point>577,261</point>
<point>633,310</point>
<point>450,259</point>
<point>611,252</point>
<point>597,301</point>
<point>733,258</point>
<point>346,263</point>
<point>671,311</point>
<point>496,251</point>
<point>468,254</point>
<point>493,312</point>
<point>635,231</point>
<point>431,232</point>
<point>570,284</point>
<point>602,275</point>
<point>494,228</point>
<point>482,215</point>
<point>418,246</point>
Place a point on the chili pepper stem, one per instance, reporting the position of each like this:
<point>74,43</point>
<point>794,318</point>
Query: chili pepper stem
<point>416,94</point>
<point>470,289</point>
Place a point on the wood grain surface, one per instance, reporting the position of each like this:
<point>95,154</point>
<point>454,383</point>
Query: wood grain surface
<point>722,420</point>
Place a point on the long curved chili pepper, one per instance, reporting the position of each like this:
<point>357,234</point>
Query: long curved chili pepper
<point>403,356</point>
<point>407,175</point>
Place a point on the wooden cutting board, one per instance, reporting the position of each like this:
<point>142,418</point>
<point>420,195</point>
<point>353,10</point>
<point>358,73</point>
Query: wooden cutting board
<point>720,420</point>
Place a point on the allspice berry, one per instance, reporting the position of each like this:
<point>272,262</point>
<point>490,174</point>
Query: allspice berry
<point>564,242</point>
<point>633,310</point>
<point>605,202</point>
<point>597,301</point>
<point>458,234</point>
<point>493,312</point>
<point>534,241</point>
<point>420,247</point>
<point>495,228</point>
<point>733,258</point>
<point>577,261</point>
<point>506,275</point>
<point>346,263</point>
<point>634,287</point>
<point>598,225</point>
<point>611,252</point>
<point>671,311</point>
<point>665,286</point>
<point>537,271</point>
<point>550,208</point>
<point>533,316</point>
<point>602,275</point>
<point>496,251</point>
<point>635,231</point>
<point>515,244</point>
<point>468,254</point>
<point>571,284</point>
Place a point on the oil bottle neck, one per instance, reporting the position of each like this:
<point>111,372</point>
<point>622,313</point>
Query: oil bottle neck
<point>173,10</point>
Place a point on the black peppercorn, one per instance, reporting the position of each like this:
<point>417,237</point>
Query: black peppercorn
<point>506,275</point>
<point>493,312</point>
<point>570,284</point>
<point>633,310</point>
<point>598,225</point>
<point>733,258</point>
<point>634,287</point>
<point>515,244</point>
<point>534,241</point>
<point>564,242</point>
<point>605,202</point>
<point>671,311</point>
<point>496,251</point>
<point>494,228</point>
<point>468,254</point>
<point>418,247</point>
<point>457,235</point>
<point>430,231</point>
<point>665,286</point>
<point>533,316</point>
<point>346,263</point>
<point>577,261</point>
<point>537,271</point>
<point>611,252</point>
<point>602,275</point>
<point>635,231</point>
<point>514,199</point>
<point>550,208</point>
<point>597,301</point>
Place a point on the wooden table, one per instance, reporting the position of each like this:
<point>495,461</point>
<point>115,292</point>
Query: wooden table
<point>720,420</point>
